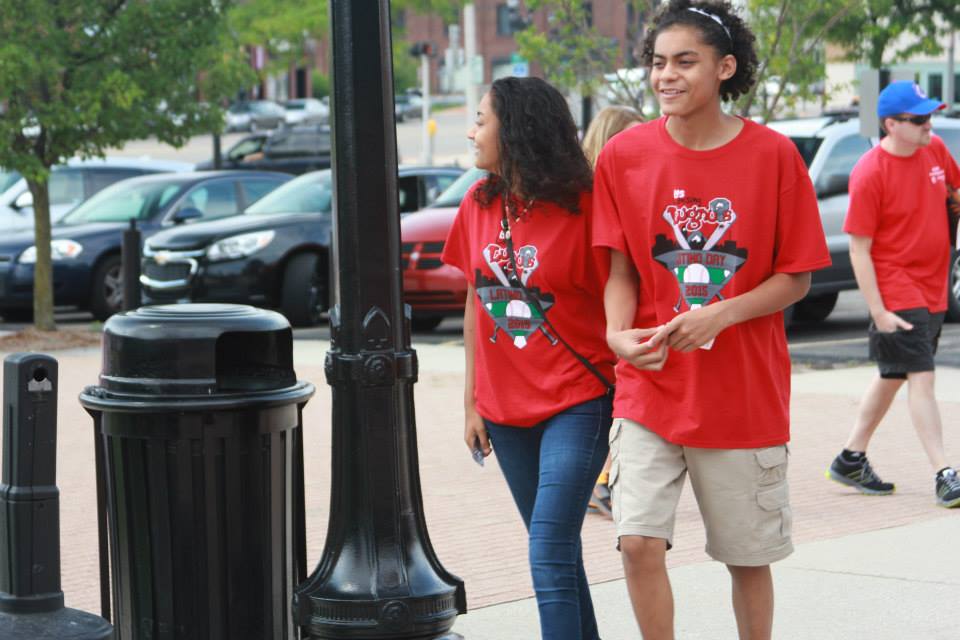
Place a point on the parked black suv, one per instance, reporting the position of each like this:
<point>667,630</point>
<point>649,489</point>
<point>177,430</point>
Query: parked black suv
<point>275,254</point>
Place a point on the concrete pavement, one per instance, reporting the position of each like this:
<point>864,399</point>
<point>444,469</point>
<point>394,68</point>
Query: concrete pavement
<point>865,567</point>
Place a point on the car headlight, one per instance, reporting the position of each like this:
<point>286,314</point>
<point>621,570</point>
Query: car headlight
<point>241,246</point>
<point>59,250</point>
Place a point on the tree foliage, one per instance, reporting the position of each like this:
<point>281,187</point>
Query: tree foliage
<point>571,52</point>
<point>790,38</point>
<point>79,77</point>
<point>286,28</point>
<point>881,32</point>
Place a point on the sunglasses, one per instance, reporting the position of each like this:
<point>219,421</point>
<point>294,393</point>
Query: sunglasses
<point>917,120</point>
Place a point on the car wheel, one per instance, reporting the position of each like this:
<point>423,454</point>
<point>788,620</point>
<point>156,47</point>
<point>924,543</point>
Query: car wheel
<point>425,323</point>
<point>303,293</point>
<point>953,288</point>
<point>17,315</point>
<point>815,309</point>
<point>106,289</point>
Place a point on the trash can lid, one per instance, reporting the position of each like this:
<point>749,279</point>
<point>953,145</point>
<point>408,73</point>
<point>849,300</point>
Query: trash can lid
<point>196,349</point>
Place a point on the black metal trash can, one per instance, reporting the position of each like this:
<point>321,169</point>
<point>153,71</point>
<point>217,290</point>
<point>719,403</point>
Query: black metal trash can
<point>199,447</point>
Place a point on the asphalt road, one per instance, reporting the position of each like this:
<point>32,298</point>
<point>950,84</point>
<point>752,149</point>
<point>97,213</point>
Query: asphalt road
<point>840,341</point>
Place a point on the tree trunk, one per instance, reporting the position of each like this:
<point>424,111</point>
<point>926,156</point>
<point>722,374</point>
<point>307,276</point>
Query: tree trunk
<point>43,268</point>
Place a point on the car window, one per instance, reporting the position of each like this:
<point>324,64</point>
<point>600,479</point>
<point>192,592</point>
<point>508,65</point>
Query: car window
<point>214,199</point>
<point>434,186</point>
<point>246,147</point>
<point>121,202</point>
<point>843,156</point>
<point>407,194</point>
<point>101,179</point>
<point>951,138</point>
<point>807,148</point>
<point>8,179</point>
<point>253,190</point>
<point>298,142</point>
<point>310,193</point>
<point>66,187</point>
<point>455,192</point>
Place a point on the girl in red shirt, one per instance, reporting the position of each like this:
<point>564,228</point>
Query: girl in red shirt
<point>537,367</point>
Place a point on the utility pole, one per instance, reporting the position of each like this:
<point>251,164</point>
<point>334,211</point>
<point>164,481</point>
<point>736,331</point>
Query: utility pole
<point>426,140</point>
<point>470,53</point>
<point>950,85</point>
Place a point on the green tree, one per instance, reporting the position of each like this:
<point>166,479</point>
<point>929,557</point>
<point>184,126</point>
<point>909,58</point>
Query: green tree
<point>286,28</point>
<point>574,56</point>
<point>790,38</point>
<point>874,31</point>
<point>83,76</point>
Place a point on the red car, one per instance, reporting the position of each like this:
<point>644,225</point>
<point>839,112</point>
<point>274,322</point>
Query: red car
<point>432,289</point>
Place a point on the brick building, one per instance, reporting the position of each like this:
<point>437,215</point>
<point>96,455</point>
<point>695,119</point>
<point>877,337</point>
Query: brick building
<point>495,40</point>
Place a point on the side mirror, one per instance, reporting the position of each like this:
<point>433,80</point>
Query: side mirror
<point>833,185</point>
<point>24,201</point>
<point>186,214</point>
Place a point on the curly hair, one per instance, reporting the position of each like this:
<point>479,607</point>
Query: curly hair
<point>609,122</point>
<point>540,155</point>
<point>729,36</point>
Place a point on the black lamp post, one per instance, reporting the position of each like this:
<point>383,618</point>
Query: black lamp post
<point>378,577</point>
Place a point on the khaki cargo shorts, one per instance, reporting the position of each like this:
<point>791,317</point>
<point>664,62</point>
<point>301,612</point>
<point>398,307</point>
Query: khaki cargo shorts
<point>742,494</point>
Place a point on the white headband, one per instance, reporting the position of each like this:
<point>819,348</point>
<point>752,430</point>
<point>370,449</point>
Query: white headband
<point>714,18</point>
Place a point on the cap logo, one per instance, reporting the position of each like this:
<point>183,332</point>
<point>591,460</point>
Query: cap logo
<point>919,92</point>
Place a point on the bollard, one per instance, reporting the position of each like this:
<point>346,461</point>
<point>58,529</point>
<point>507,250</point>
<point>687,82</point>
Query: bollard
<point>130,266</point>
<point>198,422</point>
<point>31,602</point>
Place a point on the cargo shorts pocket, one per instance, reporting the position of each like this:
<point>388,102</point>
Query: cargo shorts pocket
<point>772,462</point>
<point>777,518</point>
<point>615,430</point>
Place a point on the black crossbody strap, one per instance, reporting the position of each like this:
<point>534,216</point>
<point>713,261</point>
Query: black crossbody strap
<point>532,299</point>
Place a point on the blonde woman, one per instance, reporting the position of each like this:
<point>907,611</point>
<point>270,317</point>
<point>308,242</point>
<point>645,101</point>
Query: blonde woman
<point>608,123</point>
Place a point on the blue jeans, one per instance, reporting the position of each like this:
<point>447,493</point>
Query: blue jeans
<point>551,470</point>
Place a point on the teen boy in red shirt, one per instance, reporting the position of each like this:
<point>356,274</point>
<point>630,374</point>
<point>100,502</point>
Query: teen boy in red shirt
<point>713,228</point>
<point>900,251</point>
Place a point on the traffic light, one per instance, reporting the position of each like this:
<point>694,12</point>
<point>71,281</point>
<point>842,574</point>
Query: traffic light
<point>421,49</point>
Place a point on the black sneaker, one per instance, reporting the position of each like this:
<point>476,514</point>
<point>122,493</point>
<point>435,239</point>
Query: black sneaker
<point>861,476</point>
<point>948,489</point>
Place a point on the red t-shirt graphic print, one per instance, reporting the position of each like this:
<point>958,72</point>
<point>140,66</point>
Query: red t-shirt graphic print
<point>523,374</point>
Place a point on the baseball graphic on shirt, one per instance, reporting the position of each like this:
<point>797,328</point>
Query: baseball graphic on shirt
<point>694,255</point>
<point>505,300</point>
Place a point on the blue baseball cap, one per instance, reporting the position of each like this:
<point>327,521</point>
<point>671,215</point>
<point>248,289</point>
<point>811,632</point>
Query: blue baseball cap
<point>905,97</point>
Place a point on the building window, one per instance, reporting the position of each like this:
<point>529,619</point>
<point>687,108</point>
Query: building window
<point>935,85</point>
<point>956,88</point>
<point>504,28</point>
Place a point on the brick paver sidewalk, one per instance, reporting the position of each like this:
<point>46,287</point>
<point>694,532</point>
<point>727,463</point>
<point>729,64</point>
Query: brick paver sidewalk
<point>472,521</point>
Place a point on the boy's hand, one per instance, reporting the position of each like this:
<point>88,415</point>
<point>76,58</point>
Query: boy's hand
<point>888,322</point>
<point>643,348</point>
<point>693,329</point>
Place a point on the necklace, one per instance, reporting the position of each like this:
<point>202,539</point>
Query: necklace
<point>512,208</point>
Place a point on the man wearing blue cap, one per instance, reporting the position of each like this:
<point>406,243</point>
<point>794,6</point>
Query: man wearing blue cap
<point>900,252</point>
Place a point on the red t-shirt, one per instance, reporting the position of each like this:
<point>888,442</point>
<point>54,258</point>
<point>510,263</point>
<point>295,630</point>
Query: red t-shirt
<point>900,203</point>
<point>522,374</point>
<point>698,226</point>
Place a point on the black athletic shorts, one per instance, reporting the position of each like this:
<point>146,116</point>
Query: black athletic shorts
<point>903,352</point>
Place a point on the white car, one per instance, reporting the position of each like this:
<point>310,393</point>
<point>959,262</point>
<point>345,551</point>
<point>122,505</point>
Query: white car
<point>831,146</point>
<point>306,111</point>
<point>70,184</point>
